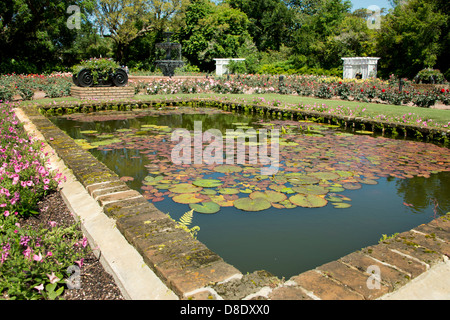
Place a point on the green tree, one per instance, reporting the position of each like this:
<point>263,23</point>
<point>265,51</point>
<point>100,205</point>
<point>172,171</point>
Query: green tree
<point>271,22</point>
<point>316,26</point>
<point>411,38</point>
<point>34,35</point>
<point>126,20</point>
<point>212,31</point>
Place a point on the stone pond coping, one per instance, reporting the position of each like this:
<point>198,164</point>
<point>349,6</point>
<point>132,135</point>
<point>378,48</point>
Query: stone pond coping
<point>192,271</point>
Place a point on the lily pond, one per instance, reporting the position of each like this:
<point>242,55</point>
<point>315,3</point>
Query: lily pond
<point>334,192</point>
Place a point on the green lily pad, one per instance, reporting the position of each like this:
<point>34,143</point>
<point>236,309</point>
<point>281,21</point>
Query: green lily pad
<point>248,204</point>
<point>342,205</point>
<point>228,168</point>
<point>308,201</point>
<point>303,179</point>
<point>89,131</point>
<point>105,142</point>
<point>310,189</point>
<point>187,198</point>
<point>336,189</point>
<point>185,188</point>
<point>228,191</point>
<point>208,192</point>
<point>207,183</point>
<point>205,207</point>
<point>326,175</point>
<point>84,144</point>
<point>269,195</point>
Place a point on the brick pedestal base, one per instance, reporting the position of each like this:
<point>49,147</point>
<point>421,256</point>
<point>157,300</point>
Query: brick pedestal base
<point>102,92</point>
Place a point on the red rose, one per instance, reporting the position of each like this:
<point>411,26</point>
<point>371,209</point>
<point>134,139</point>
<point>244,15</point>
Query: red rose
<point>442,90</point>
<point>383,90</point>
<point>362,90</point>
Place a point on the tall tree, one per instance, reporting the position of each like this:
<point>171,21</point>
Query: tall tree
<point>213,31</point>
<point>271,22</point>
<point>410,38</point>
<point>126,20</point>
<point>34,35</point>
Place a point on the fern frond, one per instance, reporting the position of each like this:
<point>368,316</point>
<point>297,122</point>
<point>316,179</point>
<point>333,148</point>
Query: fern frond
<point>186,219</point>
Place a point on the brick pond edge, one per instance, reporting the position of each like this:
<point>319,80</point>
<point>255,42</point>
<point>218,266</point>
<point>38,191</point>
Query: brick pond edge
<point>192,271</point>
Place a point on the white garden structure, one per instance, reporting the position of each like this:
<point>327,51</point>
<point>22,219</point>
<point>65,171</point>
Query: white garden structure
<point>366,66</point>
<point>221,65</point>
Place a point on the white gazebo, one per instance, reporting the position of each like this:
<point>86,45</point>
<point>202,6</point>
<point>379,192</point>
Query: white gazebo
<point>366,66</point>
<point>221,65</point>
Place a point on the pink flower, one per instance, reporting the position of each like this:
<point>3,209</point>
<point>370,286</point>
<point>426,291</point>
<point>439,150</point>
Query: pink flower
<point>38,257</point>
<point>27,252</point>
<point>80,262</point>
<point>53,278</point>
<point>52,224</point>
<point>39,287</point>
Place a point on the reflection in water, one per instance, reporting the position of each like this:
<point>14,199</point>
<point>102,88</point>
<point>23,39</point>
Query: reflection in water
<point>283,241</point>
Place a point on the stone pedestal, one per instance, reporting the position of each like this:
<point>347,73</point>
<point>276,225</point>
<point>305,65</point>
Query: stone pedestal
<point>102,93</point>
<point>365,66</point>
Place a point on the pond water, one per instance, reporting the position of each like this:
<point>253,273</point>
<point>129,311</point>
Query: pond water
<point>334,192</point>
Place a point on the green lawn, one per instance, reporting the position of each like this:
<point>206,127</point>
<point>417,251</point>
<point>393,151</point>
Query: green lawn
<point>372,109</point>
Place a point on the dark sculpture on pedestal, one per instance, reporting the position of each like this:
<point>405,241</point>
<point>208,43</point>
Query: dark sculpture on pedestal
<point>90,78</point>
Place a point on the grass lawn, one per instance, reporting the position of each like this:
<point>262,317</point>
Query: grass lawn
<point>372,109</point>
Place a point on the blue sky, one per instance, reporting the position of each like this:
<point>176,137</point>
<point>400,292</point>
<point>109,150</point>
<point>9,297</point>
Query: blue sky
<point>357,4</point>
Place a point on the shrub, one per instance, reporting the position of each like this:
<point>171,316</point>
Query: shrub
<point>429,76</point>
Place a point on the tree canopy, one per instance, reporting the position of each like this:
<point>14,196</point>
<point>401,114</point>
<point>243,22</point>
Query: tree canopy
<point>35,35</point>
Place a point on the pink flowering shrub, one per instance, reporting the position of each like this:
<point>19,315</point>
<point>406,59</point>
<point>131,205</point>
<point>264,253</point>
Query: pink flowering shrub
<point>33,263</point>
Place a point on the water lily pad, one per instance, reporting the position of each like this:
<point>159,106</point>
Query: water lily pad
<point>228,168</point>
<point>207,183</point>
<point>341,205</point>
<point>326,175</point>
<point>208,192</point>
<point>310,189</point>
<point>269,195</point>
<point>308,201</point>
<point>185,188</point>
<point>248,204</point>
<point>105,142</point>
<point>221,201</point>
<point>205,207</point>
<point>84,144</point>
<point>89,132</point>
<point>303,179</point>
<point>228,191</point>
<point>187,198</point>
<point>352,186</point>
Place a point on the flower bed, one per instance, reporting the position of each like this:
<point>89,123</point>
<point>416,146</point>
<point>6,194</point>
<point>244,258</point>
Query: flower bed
<point>34,262</point>
<point>374,91</point>
<point>54,85</point>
